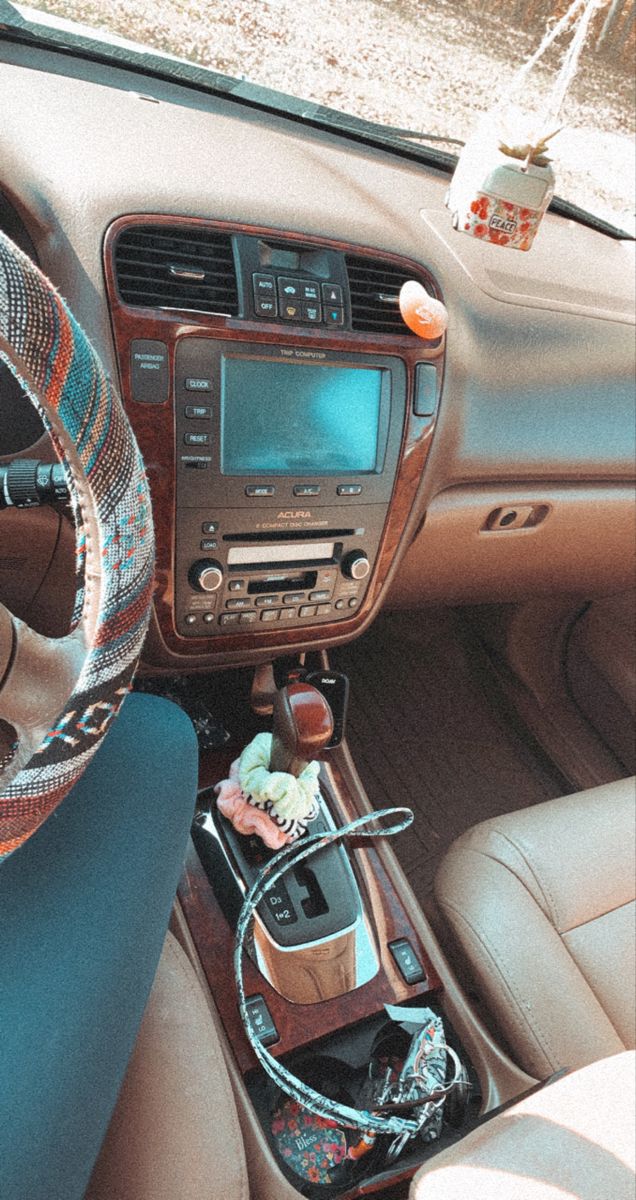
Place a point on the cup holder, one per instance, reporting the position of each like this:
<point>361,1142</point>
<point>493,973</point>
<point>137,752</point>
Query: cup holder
<point>315,1148</point>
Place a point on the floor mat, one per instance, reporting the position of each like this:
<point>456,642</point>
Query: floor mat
<point>428,728</point>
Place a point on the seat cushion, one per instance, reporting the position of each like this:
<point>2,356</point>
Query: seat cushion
<point>174,1134</point>
<point>541,902</point>
<point>574,1139</point>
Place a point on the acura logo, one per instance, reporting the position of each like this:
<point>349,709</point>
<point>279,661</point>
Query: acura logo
<point>293,514</point>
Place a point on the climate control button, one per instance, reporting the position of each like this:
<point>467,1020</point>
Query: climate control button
<point>206,575</point>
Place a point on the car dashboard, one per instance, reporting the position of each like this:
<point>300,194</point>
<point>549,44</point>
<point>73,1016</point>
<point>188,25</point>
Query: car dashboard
<point>216,252</point>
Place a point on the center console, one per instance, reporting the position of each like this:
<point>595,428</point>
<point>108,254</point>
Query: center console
<point>284,412</point>
<point>284,479</point>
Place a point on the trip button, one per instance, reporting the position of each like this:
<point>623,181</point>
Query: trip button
<point>198,411</point>
<point>332,294</point>
<point>257,489</point>
<point>307,489</point>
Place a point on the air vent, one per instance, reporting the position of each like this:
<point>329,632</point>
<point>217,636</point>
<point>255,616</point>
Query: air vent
<point>375,288</point>
<point>159,266</point>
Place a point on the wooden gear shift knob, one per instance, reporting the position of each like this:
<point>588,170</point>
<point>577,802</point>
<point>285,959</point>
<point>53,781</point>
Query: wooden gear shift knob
<point>303,726</point>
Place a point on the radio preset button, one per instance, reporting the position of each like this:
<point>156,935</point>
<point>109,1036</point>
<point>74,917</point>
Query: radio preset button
<point>308,610</point>
<point>209,526</point>
<point>198,385</point>
<point>270,614</point>
<point>196,439</point>
<point>322,610</point>
<point>320,596</point>
<point>229,618</point>
<point>266,601</point>
<point>254,490</point>
<point>307,489</point>
<point>197,411</point>
<point>294,598</point>
<point>247,618</point>
<point>287,614</point>
<point>348,489</point>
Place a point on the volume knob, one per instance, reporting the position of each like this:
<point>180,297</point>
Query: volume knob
<point>206,575</point>
<point>356,565</point>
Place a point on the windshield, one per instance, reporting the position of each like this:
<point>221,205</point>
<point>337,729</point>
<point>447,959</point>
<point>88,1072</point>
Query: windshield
<point>425,65</point>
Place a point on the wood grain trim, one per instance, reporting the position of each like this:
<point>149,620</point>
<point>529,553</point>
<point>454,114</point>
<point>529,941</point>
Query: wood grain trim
<point>154,429</point>
<point>301,1024</point>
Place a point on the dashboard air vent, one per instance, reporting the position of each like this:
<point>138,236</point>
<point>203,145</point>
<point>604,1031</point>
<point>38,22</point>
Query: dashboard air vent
<point>375,288</point>
<point>161,266</point>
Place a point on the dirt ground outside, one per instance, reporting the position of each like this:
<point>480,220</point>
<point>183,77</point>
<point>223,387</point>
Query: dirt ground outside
<point>431,65</point>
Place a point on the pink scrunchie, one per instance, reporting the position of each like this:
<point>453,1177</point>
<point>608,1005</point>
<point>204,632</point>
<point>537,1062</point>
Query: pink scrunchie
<point>233,803</point>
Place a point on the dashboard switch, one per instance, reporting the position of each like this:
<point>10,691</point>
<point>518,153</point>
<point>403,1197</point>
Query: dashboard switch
<point>261,1020</point>
<point>425,390</point>
<point>406,961</point>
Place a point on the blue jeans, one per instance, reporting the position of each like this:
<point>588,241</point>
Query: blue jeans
<point>84,907</point>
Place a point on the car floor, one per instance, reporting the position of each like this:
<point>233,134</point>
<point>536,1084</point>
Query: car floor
<point>428,728</point>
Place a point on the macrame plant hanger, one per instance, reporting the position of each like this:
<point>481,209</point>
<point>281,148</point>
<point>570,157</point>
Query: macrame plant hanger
<point>504,181</point>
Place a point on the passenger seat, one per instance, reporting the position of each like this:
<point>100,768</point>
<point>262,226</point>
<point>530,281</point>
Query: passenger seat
<point>541,903</point>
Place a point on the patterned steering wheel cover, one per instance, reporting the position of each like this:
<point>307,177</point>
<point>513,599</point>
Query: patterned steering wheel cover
<point>50,355</point>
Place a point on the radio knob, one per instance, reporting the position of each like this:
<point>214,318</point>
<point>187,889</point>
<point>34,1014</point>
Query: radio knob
<point>356,565</point>
<point>205,575</point>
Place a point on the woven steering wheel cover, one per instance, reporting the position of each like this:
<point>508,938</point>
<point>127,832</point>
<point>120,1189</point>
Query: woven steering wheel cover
<point>50,355</point>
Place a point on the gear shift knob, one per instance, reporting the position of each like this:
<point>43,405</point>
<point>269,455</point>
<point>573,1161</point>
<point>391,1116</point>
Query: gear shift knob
<point>303,726</point>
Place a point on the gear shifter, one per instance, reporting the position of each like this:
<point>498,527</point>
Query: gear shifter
<point>302,727</point>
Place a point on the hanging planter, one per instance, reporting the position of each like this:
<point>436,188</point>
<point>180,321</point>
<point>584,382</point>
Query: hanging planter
<point>504,180</point>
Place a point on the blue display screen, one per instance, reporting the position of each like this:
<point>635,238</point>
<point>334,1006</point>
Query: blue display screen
<point>290,418</point>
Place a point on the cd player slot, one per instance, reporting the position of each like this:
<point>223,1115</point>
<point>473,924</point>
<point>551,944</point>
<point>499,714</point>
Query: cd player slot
<point>290,535</point>
<point>262,558</point>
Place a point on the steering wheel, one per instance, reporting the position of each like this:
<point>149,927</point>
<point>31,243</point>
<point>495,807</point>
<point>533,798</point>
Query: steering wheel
<point>59,695</point>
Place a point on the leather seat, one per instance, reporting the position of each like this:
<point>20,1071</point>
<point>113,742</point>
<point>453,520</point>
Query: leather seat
<point>175,1132</point>
<point>541,903</point>
<point>574,1138</point>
